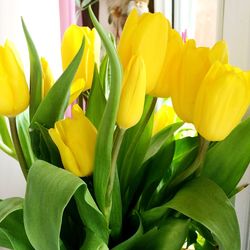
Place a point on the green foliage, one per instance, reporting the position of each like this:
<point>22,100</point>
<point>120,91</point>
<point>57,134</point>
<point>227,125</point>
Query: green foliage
<point>12,233</point>
<point>231,157</point>
<point>52,189</point>
<point>103,152</point>
<point>5,139</point>
<point>35,74</point>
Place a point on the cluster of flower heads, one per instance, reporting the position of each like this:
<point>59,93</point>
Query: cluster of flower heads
<point>204,88</point>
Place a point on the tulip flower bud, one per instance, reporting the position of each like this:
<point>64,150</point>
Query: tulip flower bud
<point>170,71</point>
<point>145,36</point>
<point>14,94</point>
<point>194,65</point>
<point>71,43</point>
<point>162,118</point>
<point>133,93</point>
<point>222,100</point>
<point>76,138</point>
<point>47,76</point>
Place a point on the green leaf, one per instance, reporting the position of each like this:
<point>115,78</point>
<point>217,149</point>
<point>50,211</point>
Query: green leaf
<point>205,202</point>
<point>171,236</point>
<point>96,102</point>
<point>12,233</point>
<point>52,188</point>
<point>104,143</point>
<point>35,74</point>
<point>134,147</point>
<point>160,138</point>
<point>137,224</point>
<point>230,157</point>
<point>104,74</point>
<point>6,144</point>
<point>22,122</point>
<point>155,171</point>
<point>48,151</point>
<point>116,211</point>
<point>53,106</point>
<point>92,241</point>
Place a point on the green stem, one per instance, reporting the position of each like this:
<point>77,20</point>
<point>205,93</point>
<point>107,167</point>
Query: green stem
<point>17,145</point>
<point>196,167</point>
<point>116,148</point>
<point>125,174</point>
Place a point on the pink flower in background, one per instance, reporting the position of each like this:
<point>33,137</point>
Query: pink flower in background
<point>184,35</point>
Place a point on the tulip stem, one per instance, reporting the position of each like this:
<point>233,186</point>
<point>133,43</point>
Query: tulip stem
<point>116,148</point>
<point>196,167</point>
<point>17,145</point>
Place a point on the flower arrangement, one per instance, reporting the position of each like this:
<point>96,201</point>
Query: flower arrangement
<point>116,174</point>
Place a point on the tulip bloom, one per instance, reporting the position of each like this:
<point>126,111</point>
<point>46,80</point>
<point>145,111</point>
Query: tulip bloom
<point>71,43</point>
<point>47,76</point>
<point>76,138</point>
<point>222,100</point>
<point>133,93</point>
<point>14,94</point>
<point>162,118</point>
<point>145,36</point>
<point>169,73</point>
<point>194,65</point>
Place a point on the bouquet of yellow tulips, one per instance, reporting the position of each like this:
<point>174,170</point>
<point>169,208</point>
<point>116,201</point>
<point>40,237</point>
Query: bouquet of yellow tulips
<point>115,174</point>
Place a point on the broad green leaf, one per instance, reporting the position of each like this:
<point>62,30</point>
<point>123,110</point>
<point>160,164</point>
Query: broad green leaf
<point>6,144</point>
<point>171,236</point>
<point>48,150</point>
<point>22,122</point>
<point>53,106</point>
<point>92,241</point>
<point>155,171</point>
<point>35,74</point>
<point>137,224</point>
<point>230,157</point>
<point>96,102</point>
<point>52,188</point>
<point>205,202</point>
<point>12,232</point>
<point>104,143</point>
<point>160,138</point>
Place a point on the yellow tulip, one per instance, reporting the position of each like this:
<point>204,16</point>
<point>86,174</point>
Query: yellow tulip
<point>145,36</point>
<point>14,92</point>
<point>71,43</point>
<point>222,100</point>
<point>75,138</point>
<point>133,93</point>
<point>169,72</point>
<point>163,117</point>
<point>47,76</point>
<point>194,65</point>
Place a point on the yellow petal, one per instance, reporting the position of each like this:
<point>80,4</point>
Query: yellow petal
<point>149,40</point>
<point>133,93</point>
<point>76,89</point>
<point>47,76</point>
<point>193,68</point>
<point>14,92</point>
<point>67,156</point>
<point>124,46</point>
<point>71,43</point>
<point>219,52</point>
<point>221,102</point>
<point>162,118</point>
<point>170,71</point>
<point>76,139</point>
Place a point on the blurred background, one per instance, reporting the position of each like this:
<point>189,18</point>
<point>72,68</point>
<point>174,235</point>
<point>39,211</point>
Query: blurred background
<point>205,20</point>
